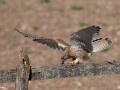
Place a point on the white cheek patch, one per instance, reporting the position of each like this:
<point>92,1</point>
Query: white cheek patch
<point>61,45</point>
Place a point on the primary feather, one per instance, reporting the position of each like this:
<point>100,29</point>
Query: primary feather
<point>49,42</point>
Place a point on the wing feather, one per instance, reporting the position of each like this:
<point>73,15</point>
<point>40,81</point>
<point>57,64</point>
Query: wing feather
<point>49,42</point>
<point>85,36</point>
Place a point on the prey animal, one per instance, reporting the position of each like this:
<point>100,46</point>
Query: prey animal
<point>83,43</point>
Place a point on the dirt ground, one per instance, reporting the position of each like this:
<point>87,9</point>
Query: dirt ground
<point>57,19</point>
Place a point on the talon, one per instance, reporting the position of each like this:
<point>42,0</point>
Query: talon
<point>71,63</point>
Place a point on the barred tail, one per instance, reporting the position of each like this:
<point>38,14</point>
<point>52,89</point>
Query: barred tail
<point>101,44</point>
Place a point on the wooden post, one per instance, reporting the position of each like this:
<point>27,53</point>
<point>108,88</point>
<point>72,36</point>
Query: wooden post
<point>22,72</point>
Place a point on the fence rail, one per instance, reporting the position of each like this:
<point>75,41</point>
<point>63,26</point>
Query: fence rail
<point>63,71</point>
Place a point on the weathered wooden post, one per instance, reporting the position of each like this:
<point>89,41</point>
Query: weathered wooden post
<point>22,72</point>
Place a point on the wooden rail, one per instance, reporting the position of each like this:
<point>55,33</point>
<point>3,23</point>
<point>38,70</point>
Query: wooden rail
<point>63,71</point>
<point>23,73</point>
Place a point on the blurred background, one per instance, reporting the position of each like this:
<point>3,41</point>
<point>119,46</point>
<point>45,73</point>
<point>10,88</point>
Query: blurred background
<point>57,19</point>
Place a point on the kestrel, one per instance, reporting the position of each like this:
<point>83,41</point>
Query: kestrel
<point>83,43</point>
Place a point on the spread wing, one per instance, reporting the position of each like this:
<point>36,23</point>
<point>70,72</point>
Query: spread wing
<point>84,37</point>
<point>56,44</point>
<point>101,44</point>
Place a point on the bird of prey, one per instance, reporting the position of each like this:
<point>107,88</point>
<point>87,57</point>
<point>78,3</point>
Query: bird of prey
<point>83,43</point>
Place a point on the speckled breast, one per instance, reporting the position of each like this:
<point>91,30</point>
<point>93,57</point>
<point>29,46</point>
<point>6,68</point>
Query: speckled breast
<point>78,52</point>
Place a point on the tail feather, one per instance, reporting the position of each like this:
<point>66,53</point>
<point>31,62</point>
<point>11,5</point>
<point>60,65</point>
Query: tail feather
<point>101,44</point>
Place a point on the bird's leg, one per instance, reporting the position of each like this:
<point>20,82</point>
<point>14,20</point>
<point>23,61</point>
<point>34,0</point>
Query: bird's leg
<point>65,57</point>
<point>76,61</point>
<point>63,60</point>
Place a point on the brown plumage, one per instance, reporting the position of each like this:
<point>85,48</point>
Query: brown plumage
<point>83,43</point>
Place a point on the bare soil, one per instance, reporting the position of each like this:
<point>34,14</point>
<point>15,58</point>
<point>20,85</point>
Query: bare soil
<point>57,19</point>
